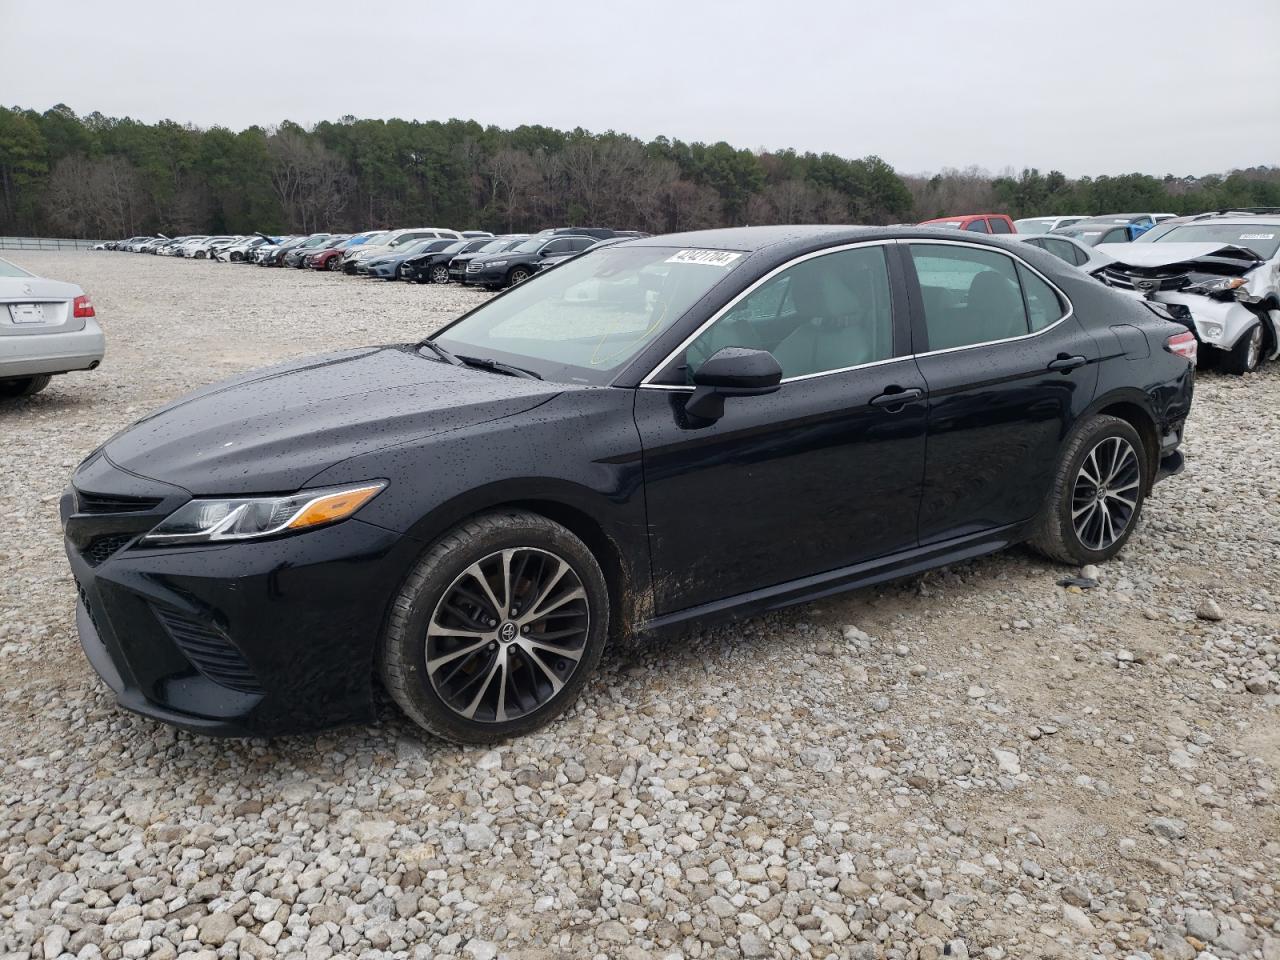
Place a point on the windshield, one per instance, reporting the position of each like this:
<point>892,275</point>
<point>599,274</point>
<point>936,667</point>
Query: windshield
<point>315,241</point>
<point>584,320</point>
<point>493,246</point>
<point>1262,239</point>
<point>1034,226</point>
<point>456,247</point>
<point>529,246</point>
<point>376,239</point>
<point>1089,236</point>
<point>8,269</point>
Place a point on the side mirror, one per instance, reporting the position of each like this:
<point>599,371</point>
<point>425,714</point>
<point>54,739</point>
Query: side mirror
<point>732,372</point>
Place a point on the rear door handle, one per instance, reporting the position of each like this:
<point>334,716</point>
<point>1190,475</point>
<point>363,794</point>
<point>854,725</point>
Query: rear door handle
<point>894,399</point>
<point>1066,364</point>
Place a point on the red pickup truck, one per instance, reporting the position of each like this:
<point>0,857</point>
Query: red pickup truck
<point>975,223</point>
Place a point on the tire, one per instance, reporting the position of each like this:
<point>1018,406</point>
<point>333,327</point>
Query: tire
<point>440,273</point>
<point>1246,355</point>
<point>334,264</point>
<point>518,275</point>
<point>1072,529</point>
<point>23,387</point>
<point>548,564</point>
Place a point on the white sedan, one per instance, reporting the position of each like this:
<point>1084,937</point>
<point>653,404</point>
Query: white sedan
<point>46,327</point>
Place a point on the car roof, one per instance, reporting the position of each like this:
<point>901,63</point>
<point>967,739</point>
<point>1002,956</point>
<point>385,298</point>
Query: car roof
<point>1235,220</point>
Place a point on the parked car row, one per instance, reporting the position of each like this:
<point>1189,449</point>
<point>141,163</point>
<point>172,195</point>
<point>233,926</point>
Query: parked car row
<point>417,254</point>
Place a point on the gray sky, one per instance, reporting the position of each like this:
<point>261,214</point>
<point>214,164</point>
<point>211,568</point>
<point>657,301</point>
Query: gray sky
<point>1084,86</point>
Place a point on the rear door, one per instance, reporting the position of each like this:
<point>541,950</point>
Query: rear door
<point>822,474</point>
<point>1008,370</point>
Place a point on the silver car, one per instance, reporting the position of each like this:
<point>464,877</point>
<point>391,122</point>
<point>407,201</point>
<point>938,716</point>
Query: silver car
<point>1066,248</point>
<point>46,327</point>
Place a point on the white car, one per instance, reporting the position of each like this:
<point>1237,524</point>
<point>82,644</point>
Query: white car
<point>1045,224</point>
<point>1218,274</point>
<point>46,327</point>
<point>393,240</point>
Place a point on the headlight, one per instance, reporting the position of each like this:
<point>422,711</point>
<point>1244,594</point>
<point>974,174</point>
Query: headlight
<point>244,518</point>
<point>493,263</point>
<point>1214,288</point>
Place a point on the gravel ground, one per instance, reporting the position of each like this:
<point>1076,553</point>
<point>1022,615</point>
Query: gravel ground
<point>975,762</point>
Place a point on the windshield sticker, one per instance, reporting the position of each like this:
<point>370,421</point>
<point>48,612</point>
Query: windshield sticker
<point>1257,236</point>
<point>711,258</point>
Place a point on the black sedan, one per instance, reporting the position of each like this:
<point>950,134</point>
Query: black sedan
<point>494,270</point>
<point>670,430</point>
<point>434,267</point>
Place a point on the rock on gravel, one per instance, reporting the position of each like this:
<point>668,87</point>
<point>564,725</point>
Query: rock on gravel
<point>790,786</point>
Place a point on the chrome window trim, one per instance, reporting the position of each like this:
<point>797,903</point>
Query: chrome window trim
<point>647,381</point>
<point>1070,312</point>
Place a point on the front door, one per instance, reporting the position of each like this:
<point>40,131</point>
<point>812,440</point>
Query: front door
<point>1008,371</point>
<point>823,473</point>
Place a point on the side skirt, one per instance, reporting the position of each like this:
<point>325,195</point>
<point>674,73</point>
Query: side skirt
<point>905,563</point>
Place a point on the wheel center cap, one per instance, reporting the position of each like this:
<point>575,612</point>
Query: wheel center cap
<point>508,631</point>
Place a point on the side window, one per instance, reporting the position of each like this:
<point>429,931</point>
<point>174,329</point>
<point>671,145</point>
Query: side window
<point>1043,304</point>
<point>970,296</point>
<point>580,243</point>
<point>1079,255</point>
<point>556,246</point>
<point>1118,235</point>
<point>978,226</point>
<point>825,313</point>
<point>1000,225</point>
<point>1061,250</point>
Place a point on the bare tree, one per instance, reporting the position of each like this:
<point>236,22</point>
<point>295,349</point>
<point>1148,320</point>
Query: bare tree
<point>310,182</point>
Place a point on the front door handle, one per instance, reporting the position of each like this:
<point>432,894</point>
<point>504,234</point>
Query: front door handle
<point>1066,364</point>
<point>895,398</point>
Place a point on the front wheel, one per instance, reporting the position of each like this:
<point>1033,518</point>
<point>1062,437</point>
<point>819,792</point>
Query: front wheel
<point>519,275</point>
<point>1097,494</point>
<point>1246,355</point>
<point>440,274</point>
<point>23,386</point>
<point>497,628</point>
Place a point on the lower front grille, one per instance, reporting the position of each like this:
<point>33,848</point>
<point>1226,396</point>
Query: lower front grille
<point>208,649</point>
<point>101,548</point>
<point>1147,282</point>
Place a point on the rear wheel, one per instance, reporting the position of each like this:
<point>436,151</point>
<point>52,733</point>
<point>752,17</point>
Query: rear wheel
<point>1246,355</point>
<point>1097,494</point>
<point>23,386</point>
<point>497,629</point>
<point>440,273</point>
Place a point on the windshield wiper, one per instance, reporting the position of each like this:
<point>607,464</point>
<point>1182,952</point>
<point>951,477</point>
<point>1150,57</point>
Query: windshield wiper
<point>440,352</point>
<point>497,366</point>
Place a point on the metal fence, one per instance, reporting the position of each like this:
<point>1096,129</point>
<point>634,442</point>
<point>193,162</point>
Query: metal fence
<point>44,243</point>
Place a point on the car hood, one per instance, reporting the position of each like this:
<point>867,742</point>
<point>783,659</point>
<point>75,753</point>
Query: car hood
<point>1165,254</point>
<point>273,430</point>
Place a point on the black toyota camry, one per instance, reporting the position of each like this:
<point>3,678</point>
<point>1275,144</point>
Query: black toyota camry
<point>672,429</point>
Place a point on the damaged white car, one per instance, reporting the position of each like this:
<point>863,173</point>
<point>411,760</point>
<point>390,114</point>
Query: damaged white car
<point>1219,275</point>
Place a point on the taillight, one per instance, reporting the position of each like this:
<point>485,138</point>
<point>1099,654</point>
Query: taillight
<point>82,306</point>
<point>1184,345</point>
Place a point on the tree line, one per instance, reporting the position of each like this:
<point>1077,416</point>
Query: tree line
<point>102,177</point>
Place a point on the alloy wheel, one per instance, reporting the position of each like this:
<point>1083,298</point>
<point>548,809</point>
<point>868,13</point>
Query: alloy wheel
<point>1104,498</point>
<point>440,274</point>
<point>1255,348</point>
<point>507,634</point>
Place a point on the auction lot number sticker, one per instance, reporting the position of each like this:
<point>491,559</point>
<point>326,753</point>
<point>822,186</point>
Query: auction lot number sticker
<point>710,258</point>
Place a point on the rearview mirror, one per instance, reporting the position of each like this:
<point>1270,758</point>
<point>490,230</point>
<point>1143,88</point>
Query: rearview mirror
<point>732,372</point>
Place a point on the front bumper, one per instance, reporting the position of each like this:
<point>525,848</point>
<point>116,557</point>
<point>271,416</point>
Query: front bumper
<point>487,276</point>
<point>39,353</point>
<point>1216,323</point>
<point>248,639</point>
